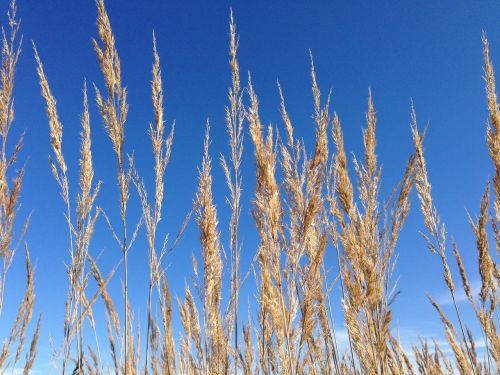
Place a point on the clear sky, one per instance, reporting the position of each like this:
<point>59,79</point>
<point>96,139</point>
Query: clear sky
<point>428,51</point>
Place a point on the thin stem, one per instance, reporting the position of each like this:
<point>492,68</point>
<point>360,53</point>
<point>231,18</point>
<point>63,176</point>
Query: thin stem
<point>463,332</point>
<point>149,324</point>
<point>125,265</point>
<point>123,197</point>
<point>65,188</point>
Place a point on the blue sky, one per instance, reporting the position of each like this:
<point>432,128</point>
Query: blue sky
<point>428,51</point>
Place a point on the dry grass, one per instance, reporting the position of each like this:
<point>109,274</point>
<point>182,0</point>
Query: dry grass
<point>305,204</point>
<point>11,233</point>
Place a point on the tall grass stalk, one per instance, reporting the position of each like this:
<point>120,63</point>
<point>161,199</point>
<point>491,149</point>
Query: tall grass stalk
<point>235,116</point>
<point>11,182</point>
<point>114,110</point>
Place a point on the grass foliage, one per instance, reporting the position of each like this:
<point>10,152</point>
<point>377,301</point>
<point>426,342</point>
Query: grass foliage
<point>305,203</point>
